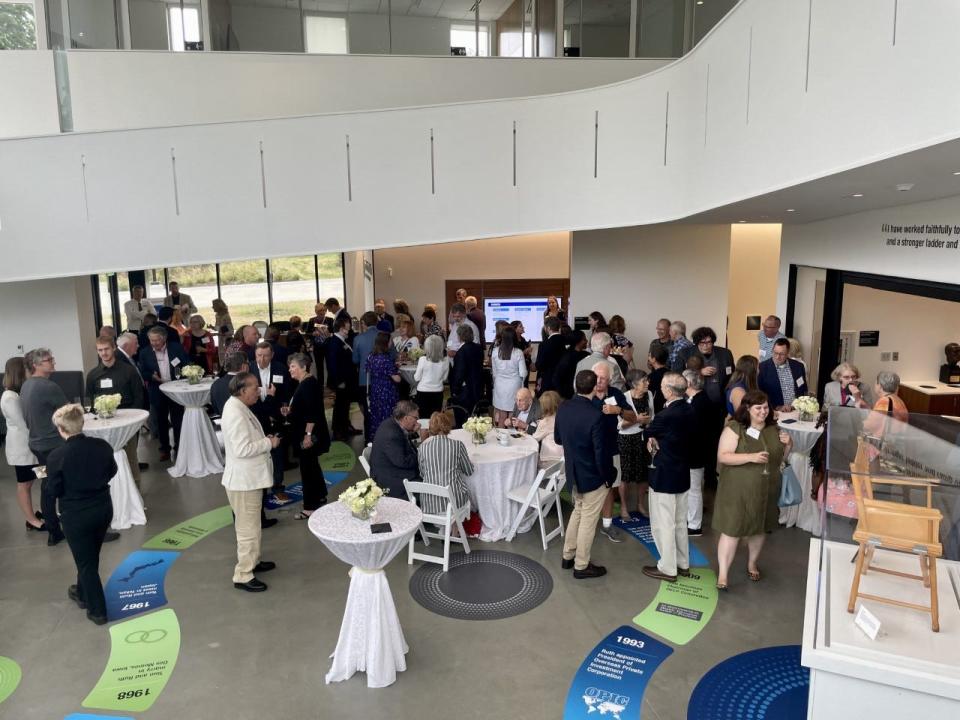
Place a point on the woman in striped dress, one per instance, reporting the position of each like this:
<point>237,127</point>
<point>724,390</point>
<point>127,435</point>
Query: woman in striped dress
<point>443,461</point>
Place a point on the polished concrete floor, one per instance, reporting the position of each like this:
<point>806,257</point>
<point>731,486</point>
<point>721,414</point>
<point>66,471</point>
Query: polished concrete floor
<point>265,655</point>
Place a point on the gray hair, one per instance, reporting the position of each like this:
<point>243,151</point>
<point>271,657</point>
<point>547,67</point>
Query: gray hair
<point>838,370</point>
<point>433,348</point>
<point>239,381</point>
<point>301,359</point>
<point>126,338</point>
<point>676,382</point>
<point>634,376</point>
<point>680,326</point>
<point>604,366</point>
<point>464,332</point>
<point>405,407</point>
<point>694,379</point>
<point>888,381</point>
<point>470,302</point>
<point>600,341</point>
<point>234,361</point>
<point>36,357</point>
<point>158,330</point>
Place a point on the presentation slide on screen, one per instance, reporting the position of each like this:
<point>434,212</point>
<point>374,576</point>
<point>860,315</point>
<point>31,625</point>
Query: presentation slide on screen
<point>527,310</point>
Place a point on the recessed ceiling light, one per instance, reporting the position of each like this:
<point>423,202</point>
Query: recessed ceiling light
<point>743,221</point>
<point>957,172</point>
<point>790,210</point>
<point>857,195</point>
<point>699,2</point>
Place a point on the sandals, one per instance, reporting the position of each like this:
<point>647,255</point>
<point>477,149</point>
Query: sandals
<point>754,576</point>
<point>302,516</point>
<point>721,586</point>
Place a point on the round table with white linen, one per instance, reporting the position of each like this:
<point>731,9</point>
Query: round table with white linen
<point>804,434</point>
<point>199,452</point>
<point>117,431</point>
<point>407,372</point>
<point>371,638</point>
<point>497,470</point>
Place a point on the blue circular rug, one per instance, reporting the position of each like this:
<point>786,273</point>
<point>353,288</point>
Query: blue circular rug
<point>765,684</point>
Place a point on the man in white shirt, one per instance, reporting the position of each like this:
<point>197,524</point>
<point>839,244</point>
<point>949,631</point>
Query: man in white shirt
<point>159,364</point>
<point>458,317</point>
<point>248,470</point>
<point>136,308</point>
<point>768,336</point>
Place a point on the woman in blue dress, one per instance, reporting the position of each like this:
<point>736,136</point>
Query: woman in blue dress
<point>383,379</point>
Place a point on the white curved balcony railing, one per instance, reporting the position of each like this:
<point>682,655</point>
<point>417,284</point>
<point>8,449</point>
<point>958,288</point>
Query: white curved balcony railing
<point>781,92</point>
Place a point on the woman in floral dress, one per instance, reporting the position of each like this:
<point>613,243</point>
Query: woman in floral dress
<point>382,378</point>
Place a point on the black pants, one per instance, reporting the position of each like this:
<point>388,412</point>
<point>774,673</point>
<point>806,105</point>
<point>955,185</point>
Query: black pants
<point>48,503</point>
<point>365,409</point>
<point>279,456</point>
<point>85,524</point>
<point>314,484</point>
<point>713,438</point>
<point>169,413</point>
<point>341,411</point>
<point>429,403</point>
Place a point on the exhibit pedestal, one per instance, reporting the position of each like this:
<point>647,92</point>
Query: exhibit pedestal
<point>908,671</point>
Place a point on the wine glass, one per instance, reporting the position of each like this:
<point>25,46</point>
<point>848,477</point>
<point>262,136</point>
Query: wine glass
<point>766,466</point>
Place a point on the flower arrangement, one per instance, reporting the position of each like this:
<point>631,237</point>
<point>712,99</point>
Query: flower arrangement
<point>193,373</point>
<point>415,354</point>
<point>362,498</point>
<point>106,405</point>
<point>478,426</point>
<point>807,406</point>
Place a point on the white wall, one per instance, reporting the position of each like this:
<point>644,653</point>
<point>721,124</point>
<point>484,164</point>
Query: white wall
<point>754,265</point>
<point>808,317</point>
<point>56,314</point>
<point>644,273</point>
<point>916,327</point>
<point>28,105</point>
<point>419,274</point>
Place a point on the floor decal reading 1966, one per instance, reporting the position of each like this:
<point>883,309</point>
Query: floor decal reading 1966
<point>681,609</point>
<point>611,681</point>
<point>143,653</point>
<point>9,677</point>
<point>190,531</point>
<point>136,586</point>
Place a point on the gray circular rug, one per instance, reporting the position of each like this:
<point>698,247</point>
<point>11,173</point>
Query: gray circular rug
<point>484,585</point>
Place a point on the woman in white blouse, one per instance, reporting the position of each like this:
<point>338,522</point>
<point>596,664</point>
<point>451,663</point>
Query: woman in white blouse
<point>509,374</point>
<point>18,435</point>
<point>550,452</point>
<point>431,374</point>
<point>405,339</point>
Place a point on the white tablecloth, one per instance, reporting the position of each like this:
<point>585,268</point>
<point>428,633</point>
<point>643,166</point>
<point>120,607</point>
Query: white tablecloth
<point>199,452</point>
<point>127,503</point>
<point>806,515</point>
<point>497,471</point>
<point>371,639</point>
<point>407,372</point>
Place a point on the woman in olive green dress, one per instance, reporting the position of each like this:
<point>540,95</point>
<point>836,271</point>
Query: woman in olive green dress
<point>751,451</point>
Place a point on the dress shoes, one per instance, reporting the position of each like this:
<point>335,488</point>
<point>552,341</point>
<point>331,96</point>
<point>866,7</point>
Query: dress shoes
<point>74,595</point>
<point>654,572</point>
<point>251,586</point>
<point>41,528</point>
<point>96,619</point>
<point>590,571</point>
<point>111,536</point>
<point>143,466</point>
<point>264,566</point>
<point>38,515</point>
<point>164,457</point>
<point>54,539</point>
<point>683,572</point>
<point>566,564</point>
<point>268,523</point>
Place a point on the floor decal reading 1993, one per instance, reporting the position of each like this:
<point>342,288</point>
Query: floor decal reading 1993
<point>611,681</point>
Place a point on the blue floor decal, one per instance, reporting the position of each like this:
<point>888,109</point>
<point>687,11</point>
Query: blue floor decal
<point>764,684</point>
<point>639,527</point>
<point>295,492</point>
<point>612,678</point>
<point>136,586</point>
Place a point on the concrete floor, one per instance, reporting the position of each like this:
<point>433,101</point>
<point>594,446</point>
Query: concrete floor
<point>257,655</point>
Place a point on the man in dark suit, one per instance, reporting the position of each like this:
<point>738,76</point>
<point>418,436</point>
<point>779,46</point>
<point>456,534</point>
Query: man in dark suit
<point>275,384</point>
<point>165,315</point>
<point>233,363</point>
<point>380,309</point>
<point>280,353</point>
<point>782,378</point>
<point>590,472</point>
<point>466,376</point>
<point>159,363</point>
<point>670,434</point>
<point>549,354</point>
<point>341,378</point>
<point>393,458</point>
<point>566,369</point>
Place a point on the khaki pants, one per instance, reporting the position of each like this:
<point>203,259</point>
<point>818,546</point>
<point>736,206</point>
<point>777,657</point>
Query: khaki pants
<point>246,505</point>
<point>131,450</point>
<point>668,523</point>
<point>582,526</point>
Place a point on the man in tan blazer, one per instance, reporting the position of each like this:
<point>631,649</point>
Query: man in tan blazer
<point>248,470</point>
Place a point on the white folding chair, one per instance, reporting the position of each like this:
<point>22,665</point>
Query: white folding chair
<point>365,458</point>
<point>452,515</point>
<point>542,500</point>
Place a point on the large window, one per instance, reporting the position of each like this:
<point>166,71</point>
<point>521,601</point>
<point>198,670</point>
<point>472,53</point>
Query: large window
<point>465,35</point>
<point>294,286</point>
<point>330,273</point>
<point>243,287</point>
<point>200,283</point>
<point>325,34</point>
<point>184,27</point>
<point>106,302</point>
<point>18,28</point>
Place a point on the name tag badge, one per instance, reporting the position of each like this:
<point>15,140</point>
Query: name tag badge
<point>175,362</point>
<point>533,424</point>
<point>278,379</point>
<point>754,433</point>
<point>800,381</point>
<point>763,353</point>
<point>729,370</point>
<point>204,340</point>
<point>106,383</point>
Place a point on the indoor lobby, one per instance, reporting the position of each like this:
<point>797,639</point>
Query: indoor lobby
<point>265,261</point>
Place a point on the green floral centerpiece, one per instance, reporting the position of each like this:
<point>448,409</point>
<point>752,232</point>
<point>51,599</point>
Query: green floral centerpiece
<point>362,498</point>
<point>415,354</point>
<point>478,426</point>
<point>807,406</point>
<point>106,405</point>
<point>193,373</point>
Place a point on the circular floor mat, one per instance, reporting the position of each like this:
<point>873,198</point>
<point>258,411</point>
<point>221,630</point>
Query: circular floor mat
<point>484,585</point>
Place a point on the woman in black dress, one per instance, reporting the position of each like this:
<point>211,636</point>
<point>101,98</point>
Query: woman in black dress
<point>309,430</point>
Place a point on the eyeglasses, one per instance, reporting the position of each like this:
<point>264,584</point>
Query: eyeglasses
<point>705,342</point>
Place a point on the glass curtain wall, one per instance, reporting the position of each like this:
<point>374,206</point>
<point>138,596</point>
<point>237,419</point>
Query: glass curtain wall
<point>200,283</point>
<point>661,30</point>
<point>243,287</point>
<point>104,290</point>
<point>18,25</point>
<point>83,24</point>
<point>293,283</point>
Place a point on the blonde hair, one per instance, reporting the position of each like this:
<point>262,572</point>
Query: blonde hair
<point>69,419</point>
<point>839,369</point>
<point>550,402</point>
<point>440,424</point>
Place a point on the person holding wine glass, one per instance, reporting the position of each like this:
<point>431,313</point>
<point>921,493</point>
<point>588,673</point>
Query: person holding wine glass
<point>751,452</point>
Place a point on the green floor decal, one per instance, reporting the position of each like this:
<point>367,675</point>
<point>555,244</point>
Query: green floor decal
<point>189,531</point>
<point>341,458</point>
<point>9,677</point>
<point>143,653</point>
<point>682,609</point>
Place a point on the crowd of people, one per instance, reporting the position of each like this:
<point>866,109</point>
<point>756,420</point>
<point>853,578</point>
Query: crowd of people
<point>646,430</point>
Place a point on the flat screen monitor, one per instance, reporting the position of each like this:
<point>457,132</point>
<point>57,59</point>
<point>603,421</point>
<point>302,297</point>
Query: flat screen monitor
<point>528,310</point>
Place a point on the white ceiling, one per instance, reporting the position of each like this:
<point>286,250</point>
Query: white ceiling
<point>930,170</point>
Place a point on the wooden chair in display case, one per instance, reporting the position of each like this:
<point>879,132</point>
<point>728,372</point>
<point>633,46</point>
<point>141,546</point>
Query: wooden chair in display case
<point>894,526</point>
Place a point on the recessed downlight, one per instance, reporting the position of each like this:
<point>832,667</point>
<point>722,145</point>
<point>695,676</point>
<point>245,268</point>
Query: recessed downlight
<point>957,172</point>
<point>857,195</point>
<point>743,221</point>
<point>791,210</point>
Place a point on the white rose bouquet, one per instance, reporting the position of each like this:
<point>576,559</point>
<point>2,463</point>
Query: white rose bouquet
<point>193,373</point>
<point>362,498</point>
<point>478,426</point>
<point>415,354</point>
<point>807,406</point>
<point>106,405</point>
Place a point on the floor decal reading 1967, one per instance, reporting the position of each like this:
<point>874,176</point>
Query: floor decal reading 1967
<point>136,586</point>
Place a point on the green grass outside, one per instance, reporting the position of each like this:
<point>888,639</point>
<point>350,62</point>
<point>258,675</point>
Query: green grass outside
<point>251,271</point>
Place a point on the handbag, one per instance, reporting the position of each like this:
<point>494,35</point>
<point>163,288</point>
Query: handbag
<point>790,491</point>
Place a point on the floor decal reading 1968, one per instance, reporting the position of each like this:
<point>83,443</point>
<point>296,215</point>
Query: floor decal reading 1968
<point>190,531</point>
